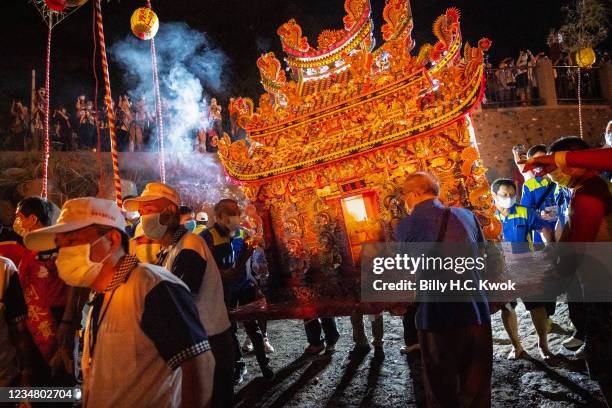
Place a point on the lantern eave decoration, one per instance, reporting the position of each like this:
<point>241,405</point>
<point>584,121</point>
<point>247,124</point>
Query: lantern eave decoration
<point>144,23</point>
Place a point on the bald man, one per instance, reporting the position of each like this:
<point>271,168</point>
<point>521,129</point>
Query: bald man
<point>455,338</point>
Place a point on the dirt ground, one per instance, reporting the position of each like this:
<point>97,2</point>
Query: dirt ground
<point>392,380</point>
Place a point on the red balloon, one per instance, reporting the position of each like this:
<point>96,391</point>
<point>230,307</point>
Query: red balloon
<point>56,5</point>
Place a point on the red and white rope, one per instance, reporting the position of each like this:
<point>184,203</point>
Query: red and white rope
<point>96,107</point>
<point>109,105</point>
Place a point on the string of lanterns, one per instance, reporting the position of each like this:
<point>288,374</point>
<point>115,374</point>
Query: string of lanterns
<point>144,24</point>
<point>585,58</point>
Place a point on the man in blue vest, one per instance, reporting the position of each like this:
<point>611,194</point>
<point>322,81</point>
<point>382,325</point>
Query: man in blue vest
<point>518,224</point>
<point>539,195</point>
<point>219,238</point>
<point>246,289</point>
<point>563,196</point>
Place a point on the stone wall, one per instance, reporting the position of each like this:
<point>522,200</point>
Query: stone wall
<point>198,178</point>
<point>497,130</point>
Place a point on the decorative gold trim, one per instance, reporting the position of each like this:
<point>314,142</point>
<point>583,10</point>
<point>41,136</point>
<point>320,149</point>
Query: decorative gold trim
<point>475,84</point>
<point>256,134</point>
<point>332,56</point>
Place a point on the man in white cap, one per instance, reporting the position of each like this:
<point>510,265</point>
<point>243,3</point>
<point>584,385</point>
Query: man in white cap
<point>187,256</point>
<point>201,222</point>
<point>143,325</point>
<point>143,247</point>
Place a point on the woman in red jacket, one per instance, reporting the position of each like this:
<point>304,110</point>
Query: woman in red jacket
<point>51,321</point>
<point>589,222</point>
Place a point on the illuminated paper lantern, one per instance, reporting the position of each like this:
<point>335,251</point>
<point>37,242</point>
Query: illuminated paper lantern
<point>56,5</point>
<point>144,23</point>
<point>585,57</point>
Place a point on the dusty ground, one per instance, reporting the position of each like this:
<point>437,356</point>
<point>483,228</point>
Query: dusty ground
<point>393,380</point>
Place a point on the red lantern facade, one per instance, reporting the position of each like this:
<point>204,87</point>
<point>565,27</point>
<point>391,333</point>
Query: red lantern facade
<point>56,5</point>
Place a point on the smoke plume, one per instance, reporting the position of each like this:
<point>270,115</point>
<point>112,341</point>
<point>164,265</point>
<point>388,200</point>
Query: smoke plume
<point>187,65</point>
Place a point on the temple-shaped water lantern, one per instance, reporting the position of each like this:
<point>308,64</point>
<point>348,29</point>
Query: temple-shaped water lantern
<point>331,142</point>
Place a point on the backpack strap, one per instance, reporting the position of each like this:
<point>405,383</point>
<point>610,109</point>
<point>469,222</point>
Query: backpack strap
<point>550,188</point>
<point>443,225</point>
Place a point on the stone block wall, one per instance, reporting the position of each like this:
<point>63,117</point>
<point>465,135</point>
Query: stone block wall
<point>198,178</point>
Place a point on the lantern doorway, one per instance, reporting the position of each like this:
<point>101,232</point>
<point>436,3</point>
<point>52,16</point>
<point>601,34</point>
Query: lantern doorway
<point>360,213</point>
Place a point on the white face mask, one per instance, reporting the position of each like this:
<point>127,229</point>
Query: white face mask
<point>76,268</point>
<point>505,202</point>
<point>152,227</point>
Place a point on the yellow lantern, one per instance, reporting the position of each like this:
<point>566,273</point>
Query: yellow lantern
<point>585,57</point>
<point>144,23</point>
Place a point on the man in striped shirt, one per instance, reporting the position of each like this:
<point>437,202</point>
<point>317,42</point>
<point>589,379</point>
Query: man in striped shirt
<point>144,342</point>
<point>186,255</point>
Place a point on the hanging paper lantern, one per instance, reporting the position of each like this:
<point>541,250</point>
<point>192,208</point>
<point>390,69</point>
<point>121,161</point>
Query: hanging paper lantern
<point>56,5</point>
<point>144,23</point>
<point>585,57</point>
<point>75,3</point>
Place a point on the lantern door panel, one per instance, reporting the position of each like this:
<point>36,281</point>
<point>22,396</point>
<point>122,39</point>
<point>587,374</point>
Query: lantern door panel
<point>360,213</point>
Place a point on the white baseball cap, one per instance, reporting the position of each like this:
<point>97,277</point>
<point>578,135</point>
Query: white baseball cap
<point>76,214</point>
<point>201,216</point>
<point>151,192</point>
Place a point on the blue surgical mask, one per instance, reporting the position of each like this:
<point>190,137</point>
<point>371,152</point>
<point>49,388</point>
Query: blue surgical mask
<point>190,225</point>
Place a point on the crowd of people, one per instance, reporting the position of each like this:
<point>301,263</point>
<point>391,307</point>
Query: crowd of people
<point>510,82</point>
<point>513,82</point>
<point>152,283</point>
<point>135,126</point>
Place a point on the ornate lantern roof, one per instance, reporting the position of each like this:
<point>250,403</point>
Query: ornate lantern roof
<point>345,98</point>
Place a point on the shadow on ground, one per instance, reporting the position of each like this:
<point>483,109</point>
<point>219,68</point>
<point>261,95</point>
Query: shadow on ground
<point>392,380</point>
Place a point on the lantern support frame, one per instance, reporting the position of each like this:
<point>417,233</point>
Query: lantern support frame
<point>52,17</point>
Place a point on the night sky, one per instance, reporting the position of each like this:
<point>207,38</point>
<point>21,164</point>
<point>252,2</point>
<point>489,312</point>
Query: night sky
<point>242,29</point>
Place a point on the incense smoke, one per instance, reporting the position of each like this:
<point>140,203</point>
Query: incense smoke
<point>187,64</point>
<point>186,61</point>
